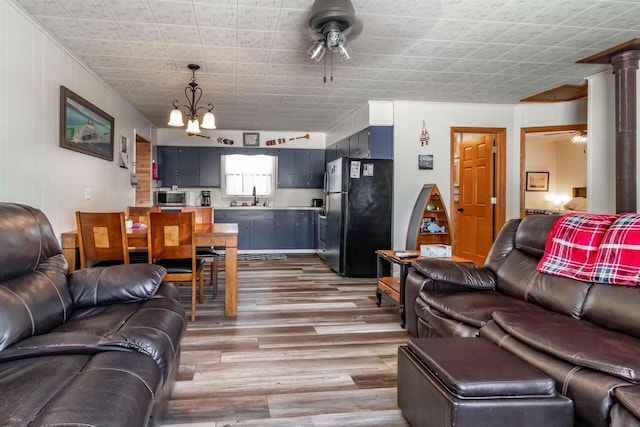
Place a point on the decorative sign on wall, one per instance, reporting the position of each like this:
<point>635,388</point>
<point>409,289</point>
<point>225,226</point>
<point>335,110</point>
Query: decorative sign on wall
<point>284,140</point>
<point>424,135</point>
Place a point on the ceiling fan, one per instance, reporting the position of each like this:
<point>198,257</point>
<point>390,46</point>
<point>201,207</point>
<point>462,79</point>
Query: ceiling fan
<point>579,136</point>
<point>331,21</point>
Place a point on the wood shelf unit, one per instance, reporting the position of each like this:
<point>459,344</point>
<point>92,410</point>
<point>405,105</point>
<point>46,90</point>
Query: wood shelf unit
<point>390,286</point>
<point>416,235</point>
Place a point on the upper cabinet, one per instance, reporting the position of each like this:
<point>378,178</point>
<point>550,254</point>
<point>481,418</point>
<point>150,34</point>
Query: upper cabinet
<point>375,142</point>
<point>299,168</point>
<point>189,166</point>
<point>194,167</point>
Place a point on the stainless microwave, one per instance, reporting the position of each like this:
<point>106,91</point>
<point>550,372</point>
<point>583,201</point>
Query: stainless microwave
<point>171,198</point>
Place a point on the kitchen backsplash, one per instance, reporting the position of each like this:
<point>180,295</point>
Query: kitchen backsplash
<point>284,197</point>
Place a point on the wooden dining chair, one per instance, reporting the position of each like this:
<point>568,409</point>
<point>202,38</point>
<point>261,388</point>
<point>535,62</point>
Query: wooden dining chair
<point>140,215</point>
<point>102,239</point>
<point>171,238</point>
<point>204,215</point>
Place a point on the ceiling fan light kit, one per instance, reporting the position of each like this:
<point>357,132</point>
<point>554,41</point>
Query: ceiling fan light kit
<point>193,93</point>
<point>331,21</point>
<point>580,137</point>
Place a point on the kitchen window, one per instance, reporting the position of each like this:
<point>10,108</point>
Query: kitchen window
<point>241,173</point>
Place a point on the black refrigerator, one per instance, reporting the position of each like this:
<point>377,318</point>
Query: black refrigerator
<point>359,207</point>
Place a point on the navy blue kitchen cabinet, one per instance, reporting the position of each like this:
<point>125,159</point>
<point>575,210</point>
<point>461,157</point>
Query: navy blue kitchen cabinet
<point>305,237</point>
<point>294,229</point>
<point>316,168</point>
<point>272,228</point>
<point>189,167</point>
<point>168,166</point>
<point>355,150</point>
<point>298,168</point>
<point>284,228</point>
<point>255,227</point>
<point>342,148</point>
<point>374,142</point>
<point>380,142</point>
<point>210,167</point>
<point>285,168</point>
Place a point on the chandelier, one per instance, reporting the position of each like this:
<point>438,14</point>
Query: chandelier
<point>193,94</point>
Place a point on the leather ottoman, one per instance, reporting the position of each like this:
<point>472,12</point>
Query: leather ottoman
<point>471,382</point>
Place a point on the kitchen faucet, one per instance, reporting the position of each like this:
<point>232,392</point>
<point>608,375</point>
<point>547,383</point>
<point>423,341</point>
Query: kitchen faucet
<point>255,198</point>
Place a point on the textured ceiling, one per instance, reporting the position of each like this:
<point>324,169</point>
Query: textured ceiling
<point>256,71</point>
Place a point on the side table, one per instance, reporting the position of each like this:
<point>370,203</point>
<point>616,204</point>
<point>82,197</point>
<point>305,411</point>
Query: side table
<point>391,288</point>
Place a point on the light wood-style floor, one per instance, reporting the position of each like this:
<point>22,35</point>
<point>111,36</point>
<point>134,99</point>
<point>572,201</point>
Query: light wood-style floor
<point>308,348</point>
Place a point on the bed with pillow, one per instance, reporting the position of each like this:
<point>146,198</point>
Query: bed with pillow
<point>577,204</point>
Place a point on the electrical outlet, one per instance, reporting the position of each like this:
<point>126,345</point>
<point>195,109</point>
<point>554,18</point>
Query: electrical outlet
<point>87,193</point>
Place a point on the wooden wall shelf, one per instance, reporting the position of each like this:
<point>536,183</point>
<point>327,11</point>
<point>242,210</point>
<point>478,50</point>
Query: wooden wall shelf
<point>416,235</point>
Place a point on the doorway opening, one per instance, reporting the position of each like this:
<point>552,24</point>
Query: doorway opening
<point>549,151</point>
<point>142,167</point>
<point>478,174</point>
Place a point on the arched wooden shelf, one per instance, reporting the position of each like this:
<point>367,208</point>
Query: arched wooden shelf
<point>429,207</point>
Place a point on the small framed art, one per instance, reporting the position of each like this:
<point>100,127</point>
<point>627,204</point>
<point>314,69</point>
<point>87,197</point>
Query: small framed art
<point>250,139</point>
<point>537,181</point>
<point>425,161</point>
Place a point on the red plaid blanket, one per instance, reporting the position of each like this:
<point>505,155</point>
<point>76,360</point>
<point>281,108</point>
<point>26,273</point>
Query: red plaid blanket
<point>572,245</point>
<point>618,259</point>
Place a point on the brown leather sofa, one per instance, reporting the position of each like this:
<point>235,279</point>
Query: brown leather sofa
<point>97,347</point>
<point>585,336</point>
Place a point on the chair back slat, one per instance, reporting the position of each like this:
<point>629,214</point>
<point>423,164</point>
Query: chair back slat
<point>171,235</point>
<point>102,236</point>
<point>204,214</point>
<point>140,214</point>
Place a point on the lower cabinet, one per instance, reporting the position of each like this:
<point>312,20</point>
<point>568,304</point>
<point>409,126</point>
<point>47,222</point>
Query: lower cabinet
<point>272,228</point>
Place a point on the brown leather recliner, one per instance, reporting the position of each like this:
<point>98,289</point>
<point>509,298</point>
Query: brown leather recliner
<point>98,347</point>
<point>585,336</point>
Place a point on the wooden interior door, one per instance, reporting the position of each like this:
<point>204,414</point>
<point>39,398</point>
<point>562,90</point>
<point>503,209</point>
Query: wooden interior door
<point>143,170</point>
<point>475,211</point>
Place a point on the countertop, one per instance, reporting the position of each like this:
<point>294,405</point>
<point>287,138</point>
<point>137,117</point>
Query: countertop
<point>309,208</point>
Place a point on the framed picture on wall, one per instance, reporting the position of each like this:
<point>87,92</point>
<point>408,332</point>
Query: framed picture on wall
<point>537,181</point>
<point>425,161</point>
<point>84,127</point>
<point>251,139</point>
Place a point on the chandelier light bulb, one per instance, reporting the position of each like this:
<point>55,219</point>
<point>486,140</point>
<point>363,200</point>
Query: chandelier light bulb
<point>208,120</point>
<point>193,126</point>
<point>175,119</point>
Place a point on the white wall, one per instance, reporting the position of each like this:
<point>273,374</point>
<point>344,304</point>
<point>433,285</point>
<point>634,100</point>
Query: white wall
<point>178,136</point>
<point>34,170</point>
<point>541,157</point>
<point>373,113</point>
<point>439,119</point>
<point>571,168</point>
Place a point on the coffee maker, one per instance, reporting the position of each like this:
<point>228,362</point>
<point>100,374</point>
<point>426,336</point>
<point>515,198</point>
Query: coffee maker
<point>205,198</point>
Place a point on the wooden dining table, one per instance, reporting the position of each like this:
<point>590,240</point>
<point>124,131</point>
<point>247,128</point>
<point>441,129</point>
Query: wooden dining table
<point>218,234</point>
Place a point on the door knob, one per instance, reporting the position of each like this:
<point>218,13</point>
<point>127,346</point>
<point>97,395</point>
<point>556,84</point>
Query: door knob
<point>460,209</point>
